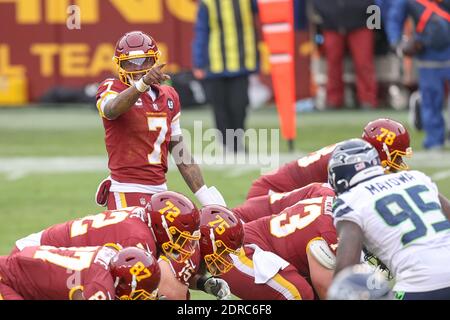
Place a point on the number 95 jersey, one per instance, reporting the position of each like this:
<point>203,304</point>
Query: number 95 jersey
<point>403,225</point>
<point>137,141</point>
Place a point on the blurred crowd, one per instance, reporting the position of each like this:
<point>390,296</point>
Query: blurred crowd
<point>383,50</point>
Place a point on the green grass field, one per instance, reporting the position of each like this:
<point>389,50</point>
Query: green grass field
<point>37,197</point>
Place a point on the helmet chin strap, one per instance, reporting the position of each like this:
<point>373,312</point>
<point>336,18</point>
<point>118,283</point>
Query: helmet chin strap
<point>166,228</point>
<point>386,150</point>
<point>213,239</point>
<point>133,283</point>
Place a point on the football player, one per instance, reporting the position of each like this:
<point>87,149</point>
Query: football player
<point>168,228</point>
<point>222,234</point>
<point>169,225</point>
<point>288,256</point>
<point>142,124</point>
<point>389,137</point>
<point>83,273</point>
<point>397,217</point>
<point>261,206</point>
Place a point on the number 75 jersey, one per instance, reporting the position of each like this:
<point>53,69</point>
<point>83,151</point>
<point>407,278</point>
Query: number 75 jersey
<point>137,141</point>
<point>403,225</point>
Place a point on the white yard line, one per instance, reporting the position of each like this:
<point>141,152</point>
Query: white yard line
<point>17,167</point>
<point>441,175</point>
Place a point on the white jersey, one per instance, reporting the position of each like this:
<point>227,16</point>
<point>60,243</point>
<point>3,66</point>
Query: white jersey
<point>403,225</point>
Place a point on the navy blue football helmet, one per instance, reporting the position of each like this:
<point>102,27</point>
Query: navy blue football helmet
<point>352,162</point>
<point>360,282</point>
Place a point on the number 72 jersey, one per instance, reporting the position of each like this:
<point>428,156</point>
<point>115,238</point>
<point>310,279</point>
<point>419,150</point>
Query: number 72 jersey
<point>403,225</point>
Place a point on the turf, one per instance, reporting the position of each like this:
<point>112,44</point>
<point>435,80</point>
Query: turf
<point>33,201</point>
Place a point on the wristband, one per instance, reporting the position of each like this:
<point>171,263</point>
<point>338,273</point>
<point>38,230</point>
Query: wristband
<point>141,86</point>
<point>202,195</point>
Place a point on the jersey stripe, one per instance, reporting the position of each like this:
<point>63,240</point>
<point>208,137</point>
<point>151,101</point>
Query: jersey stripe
<point>278,283</point>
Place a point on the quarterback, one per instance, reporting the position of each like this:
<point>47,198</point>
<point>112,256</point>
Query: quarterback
<point>142,125</point>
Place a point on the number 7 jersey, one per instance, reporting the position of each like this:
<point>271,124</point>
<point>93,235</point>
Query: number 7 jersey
<point>403,225</point>
<point>137,141</point>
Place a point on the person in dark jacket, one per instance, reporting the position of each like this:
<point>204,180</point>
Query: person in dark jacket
<point>344,23</point>
<point>224,53</point>
<point>431,46</point>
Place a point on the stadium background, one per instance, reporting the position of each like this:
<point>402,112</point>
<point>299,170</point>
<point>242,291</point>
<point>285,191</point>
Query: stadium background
<point>52,157</point>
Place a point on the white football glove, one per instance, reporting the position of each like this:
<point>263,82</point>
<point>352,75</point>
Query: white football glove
<point>218,288</point>
<point>210,195</point>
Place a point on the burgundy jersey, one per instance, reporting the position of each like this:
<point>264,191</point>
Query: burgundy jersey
<point>137,141</point>
<point>49,273</point>
<point>257,207</point>
<point>295,174</point>
<point>289,233</point>
<point>184,271</point>
<point>127,227</point>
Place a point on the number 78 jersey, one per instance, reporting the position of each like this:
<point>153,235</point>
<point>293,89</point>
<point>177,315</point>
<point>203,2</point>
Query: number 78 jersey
<point>403,225</point>
<point>137,141</point>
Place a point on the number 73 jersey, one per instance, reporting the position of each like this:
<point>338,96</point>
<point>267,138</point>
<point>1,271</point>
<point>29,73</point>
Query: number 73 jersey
<point>289,233</point>
<point>403,225</point>
<point>137,141</point>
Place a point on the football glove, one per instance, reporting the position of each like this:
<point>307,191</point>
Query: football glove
<point>210,195</point>
<point>218,288</point>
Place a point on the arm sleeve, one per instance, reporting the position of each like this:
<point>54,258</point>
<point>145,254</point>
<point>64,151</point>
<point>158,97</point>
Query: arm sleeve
<point>201,38</point>
<point>175,125</point>
<point>395,21</point>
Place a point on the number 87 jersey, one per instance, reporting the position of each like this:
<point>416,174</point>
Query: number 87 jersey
<point>137,141</point>
<point>403,225</point>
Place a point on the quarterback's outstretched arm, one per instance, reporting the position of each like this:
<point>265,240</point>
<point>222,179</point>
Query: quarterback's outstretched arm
<point>127,98</point>
<point>349,250</point>
<point>121,103</point>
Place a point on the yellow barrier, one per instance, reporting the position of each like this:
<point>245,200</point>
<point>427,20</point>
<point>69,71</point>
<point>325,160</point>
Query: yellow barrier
<point>13,91</point>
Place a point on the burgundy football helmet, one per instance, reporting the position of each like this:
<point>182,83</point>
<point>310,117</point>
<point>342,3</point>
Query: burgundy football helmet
<point>175,222</point>
<point>391,139</point>
<point>222,234</point>
<point>136,274</point>
<point>136,52</point>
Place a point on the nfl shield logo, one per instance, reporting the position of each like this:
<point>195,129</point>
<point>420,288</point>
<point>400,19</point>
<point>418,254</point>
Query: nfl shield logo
<point>170,104</point>
<point>360,166</point>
